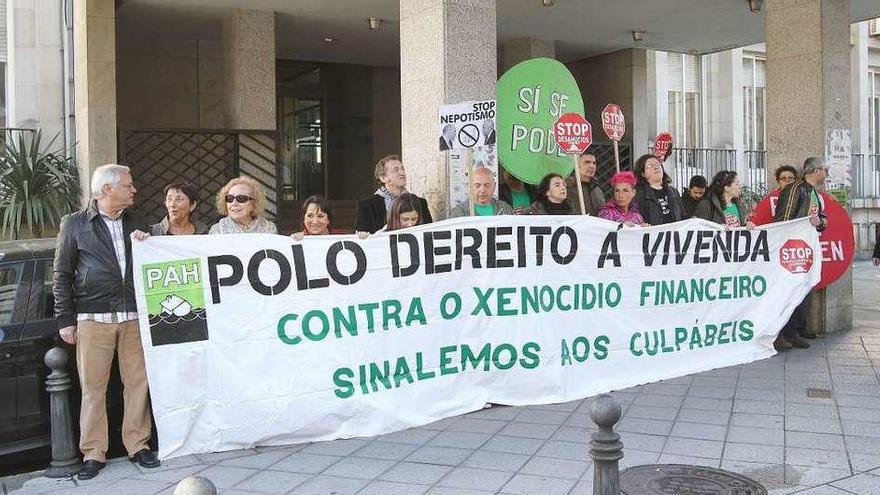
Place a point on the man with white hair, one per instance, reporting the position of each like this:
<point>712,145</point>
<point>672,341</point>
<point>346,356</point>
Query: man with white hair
<point>482,184</point>
<point>96,311</point>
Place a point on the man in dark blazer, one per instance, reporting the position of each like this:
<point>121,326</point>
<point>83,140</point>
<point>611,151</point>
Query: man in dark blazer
<point>447,137</point>
<point>372,212</point>
<point>489,132</point>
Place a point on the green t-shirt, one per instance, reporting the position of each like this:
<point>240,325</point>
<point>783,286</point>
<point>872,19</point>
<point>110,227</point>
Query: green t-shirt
<point>731,215</point>
<point>521,199</point>
<point>484,210</point>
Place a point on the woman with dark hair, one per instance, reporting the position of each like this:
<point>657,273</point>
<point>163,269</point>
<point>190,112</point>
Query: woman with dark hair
<point>181,200</point>
<point>659,202</point>
<point>406,211</point>
<point>785,175</point>
<point>722,205</point>
<point>550,197</point>
<point>317,218</point>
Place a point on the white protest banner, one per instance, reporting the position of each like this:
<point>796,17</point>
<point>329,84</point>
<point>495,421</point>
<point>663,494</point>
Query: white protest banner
<point>466,125</point>
<point>261,340</point>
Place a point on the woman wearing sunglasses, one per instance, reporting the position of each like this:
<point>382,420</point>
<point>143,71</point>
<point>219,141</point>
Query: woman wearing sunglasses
<point>242,202</point>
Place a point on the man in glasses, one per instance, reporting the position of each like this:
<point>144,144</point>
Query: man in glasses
<point>96,311</point>
<point>372,212</point>
<point>797,200</point>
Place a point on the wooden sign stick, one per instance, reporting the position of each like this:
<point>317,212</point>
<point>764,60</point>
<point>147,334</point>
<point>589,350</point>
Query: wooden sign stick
<point>469,162</point>
<point>616,157</point>
<point>577,182</point>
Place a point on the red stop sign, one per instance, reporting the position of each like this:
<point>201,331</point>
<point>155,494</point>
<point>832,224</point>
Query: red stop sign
<point>613,122</point>
<point>662,145</point>
<point>837,241</point>
<point>796,256</point>
<point>573,133</point>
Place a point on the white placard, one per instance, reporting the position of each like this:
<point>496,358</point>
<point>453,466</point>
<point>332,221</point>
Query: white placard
<point>467,125</point>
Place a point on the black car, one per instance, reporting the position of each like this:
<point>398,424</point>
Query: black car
<point>27,330</point>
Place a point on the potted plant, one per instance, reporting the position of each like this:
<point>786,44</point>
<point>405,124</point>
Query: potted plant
<point>38,184</point>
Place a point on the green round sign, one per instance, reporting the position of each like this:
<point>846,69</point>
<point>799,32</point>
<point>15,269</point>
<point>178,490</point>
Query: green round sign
<point>532,95</point>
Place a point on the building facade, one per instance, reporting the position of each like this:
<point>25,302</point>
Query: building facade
<point>306,96</point>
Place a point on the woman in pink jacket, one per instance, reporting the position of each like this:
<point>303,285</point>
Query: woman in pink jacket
<point>622,208</point>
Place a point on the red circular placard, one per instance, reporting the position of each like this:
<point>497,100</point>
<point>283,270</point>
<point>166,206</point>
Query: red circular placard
<point>837,241</point>
<point>573,133</point>
<point>613,122</point>
<point>662,145</point>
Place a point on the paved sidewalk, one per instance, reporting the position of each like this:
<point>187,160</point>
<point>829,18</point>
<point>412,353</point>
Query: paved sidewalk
<point>757,419</point>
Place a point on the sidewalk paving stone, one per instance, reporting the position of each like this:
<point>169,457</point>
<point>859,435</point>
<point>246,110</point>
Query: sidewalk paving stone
<point>449,456</point>
<point>465,477</point>
<point>704,417</point>
<point>330,484</point>
<point>273,482</point>
<point>866,483</point>
<point>819,441</point>
<point>526,484</point>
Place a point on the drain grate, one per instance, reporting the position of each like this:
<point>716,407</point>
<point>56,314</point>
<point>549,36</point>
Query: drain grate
<point>819,393</point>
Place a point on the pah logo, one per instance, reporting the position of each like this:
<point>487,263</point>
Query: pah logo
<point>175,296</point>
<point>796,256</point>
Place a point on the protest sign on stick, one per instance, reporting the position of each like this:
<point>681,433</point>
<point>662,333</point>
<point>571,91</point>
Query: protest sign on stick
<point>614,125</point>
<point>574,135</point>
<point>532,95</point>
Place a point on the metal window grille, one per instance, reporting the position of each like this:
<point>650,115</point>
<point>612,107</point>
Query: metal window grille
<point>205,158</point>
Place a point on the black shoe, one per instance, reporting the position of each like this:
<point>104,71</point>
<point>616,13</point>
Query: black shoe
<point>799,342</point>
<point>90,469</point>
<point>809,335</point>
<point>145,458</point>
<point>780,344</point>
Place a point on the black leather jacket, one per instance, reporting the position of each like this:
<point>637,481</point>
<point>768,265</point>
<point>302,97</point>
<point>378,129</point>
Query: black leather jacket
<point>87,278</point>
<point>794,202</point>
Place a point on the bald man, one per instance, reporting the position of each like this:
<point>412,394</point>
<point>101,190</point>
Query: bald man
<point>482,189</point>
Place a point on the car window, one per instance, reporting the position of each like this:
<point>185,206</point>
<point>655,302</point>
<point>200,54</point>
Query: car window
<point>10,285</point>
<point>47,301</point>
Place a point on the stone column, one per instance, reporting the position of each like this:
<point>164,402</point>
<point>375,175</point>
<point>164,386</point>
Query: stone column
<point>808,93</point>
<point>448,54</point>
<point>515,51</point>
<point>94,44</point>
<point>249,55</point>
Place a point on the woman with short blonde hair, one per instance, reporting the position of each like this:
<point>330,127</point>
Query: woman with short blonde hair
<point>242,203</point>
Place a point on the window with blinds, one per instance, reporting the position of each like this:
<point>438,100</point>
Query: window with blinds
<point>684,79</point>
<point>3,57</point>
<point>754,103</point>
<point>874,111</point>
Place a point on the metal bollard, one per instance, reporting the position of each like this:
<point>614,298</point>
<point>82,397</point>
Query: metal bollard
<point>606,448</point>
<point>65,457</point>
<point>195,485</point>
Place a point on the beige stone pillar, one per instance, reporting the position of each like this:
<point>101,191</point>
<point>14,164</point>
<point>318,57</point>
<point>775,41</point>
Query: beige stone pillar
<point>249,56</point>
<point>808,92</point>
<point>515,51</point>
<point>448,54</point>
<point>94,44</point>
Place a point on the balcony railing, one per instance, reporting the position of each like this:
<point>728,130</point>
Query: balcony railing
<point>865,175</point>
<point>684,163</point>
<point>756,170</point>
